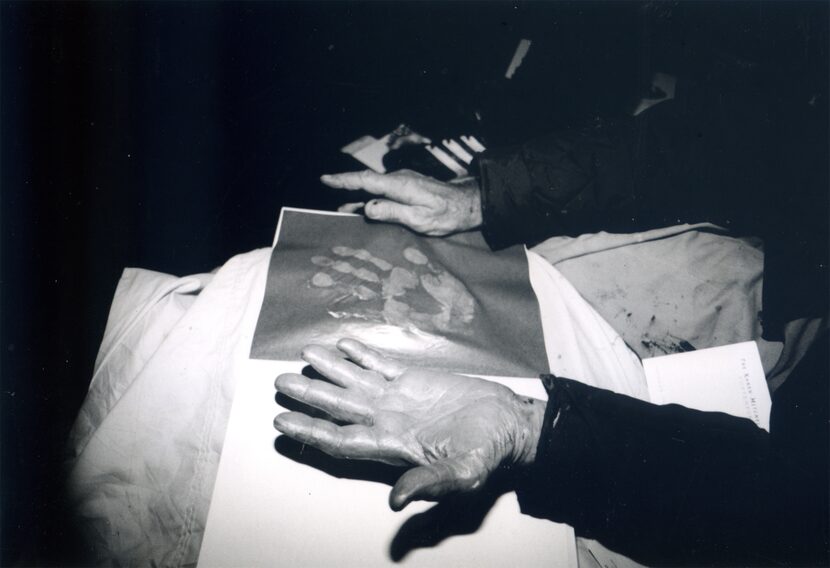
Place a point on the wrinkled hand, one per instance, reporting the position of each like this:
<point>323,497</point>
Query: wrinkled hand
<point>422,203</point>
<point>455,430</point>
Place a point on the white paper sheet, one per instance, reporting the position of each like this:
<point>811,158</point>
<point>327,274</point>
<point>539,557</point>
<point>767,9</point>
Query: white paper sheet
<point>726,379</point>
<point>270,510</point>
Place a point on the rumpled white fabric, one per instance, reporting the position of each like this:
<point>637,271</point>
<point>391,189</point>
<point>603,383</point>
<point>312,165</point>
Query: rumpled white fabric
<point>659,288</point>
<point>148,437</point>
<point>147,441</point>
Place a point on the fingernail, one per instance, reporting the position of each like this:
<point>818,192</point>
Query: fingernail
<point>280,380</point>
<point>325,177</point>
<point>311,350</point>
<point>397,501</point>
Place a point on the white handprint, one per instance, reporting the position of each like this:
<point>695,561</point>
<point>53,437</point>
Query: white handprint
<point>370,288</point>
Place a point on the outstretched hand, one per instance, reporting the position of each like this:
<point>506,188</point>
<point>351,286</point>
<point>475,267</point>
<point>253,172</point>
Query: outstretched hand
<point>455,430</point>
<point>422,203</point>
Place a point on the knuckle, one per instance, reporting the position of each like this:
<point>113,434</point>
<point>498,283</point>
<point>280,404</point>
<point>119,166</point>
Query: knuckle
<point>431,226</point>
<point>336,450</point>
<point>379,209</point>
<point>366,176</point>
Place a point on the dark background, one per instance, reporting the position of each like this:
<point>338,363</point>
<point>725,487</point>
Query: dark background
<point>167,135</point>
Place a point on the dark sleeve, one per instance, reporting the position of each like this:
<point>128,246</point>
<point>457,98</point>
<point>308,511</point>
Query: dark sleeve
<point>565,183</point>
<point>704,156</point>
<point>707,156</point>
<point>795,224</point>
<point>670,485</point>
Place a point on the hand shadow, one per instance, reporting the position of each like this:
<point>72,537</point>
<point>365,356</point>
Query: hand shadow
<point>343,469</point>
<point>454,516</point>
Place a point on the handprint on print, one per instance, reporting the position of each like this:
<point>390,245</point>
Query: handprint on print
<point>363,286</point>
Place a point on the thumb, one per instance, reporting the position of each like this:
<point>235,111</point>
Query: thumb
<point>434,481</point>
<point>390,212</point>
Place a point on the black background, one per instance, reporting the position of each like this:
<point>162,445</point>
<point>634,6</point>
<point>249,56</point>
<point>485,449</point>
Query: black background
<point>167,135</point>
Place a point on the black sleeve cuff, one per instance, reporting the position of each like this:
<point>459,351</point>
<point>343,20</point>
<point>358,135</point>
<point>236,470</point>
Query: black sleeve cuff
<point>505,189</point>
<point>565,183</point>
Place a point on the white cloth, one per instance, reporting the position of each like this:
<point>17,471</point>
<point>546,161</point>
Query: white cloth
<point>660,288</point>
<point>148,438</point>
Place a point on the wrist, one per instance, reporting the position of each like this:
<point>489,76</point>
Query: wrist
<point>530,419</point>
<point>471,203</point>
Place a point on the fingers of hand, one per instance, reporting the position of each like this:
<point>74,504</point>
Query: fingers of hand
<point>347,180</point>
<point>341,404</point>
<point>372,359</point>
<point>351,207</point>
<point>433,481</point>
<point>354,442</point>
<point>339,371</point>
<point>415,217</point>
<point>397,187</point>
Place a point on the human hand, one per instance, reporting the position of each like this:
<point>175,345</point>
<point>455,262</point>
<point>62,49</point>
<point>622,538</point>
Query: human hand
<point>455,430</point>
<point>422,203</point>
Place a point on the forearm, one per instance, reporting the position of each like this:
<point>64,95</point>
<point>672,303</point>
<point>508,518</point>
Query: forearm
<point>565,183</point>
<point>662,484</point>
<point>682,161</point>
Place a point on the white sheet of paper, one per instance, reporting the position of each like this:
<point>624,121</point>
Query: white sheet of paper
<point>269,510</point>
<point>726,379</point>
<point>369,151</point>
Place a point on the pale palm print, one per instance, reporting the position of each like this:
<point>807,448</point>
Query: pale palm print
<point>372,289</point>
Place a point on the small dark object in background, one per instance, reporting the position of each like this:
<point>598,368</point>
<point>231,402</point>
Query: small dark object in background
<point>416,157</point>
